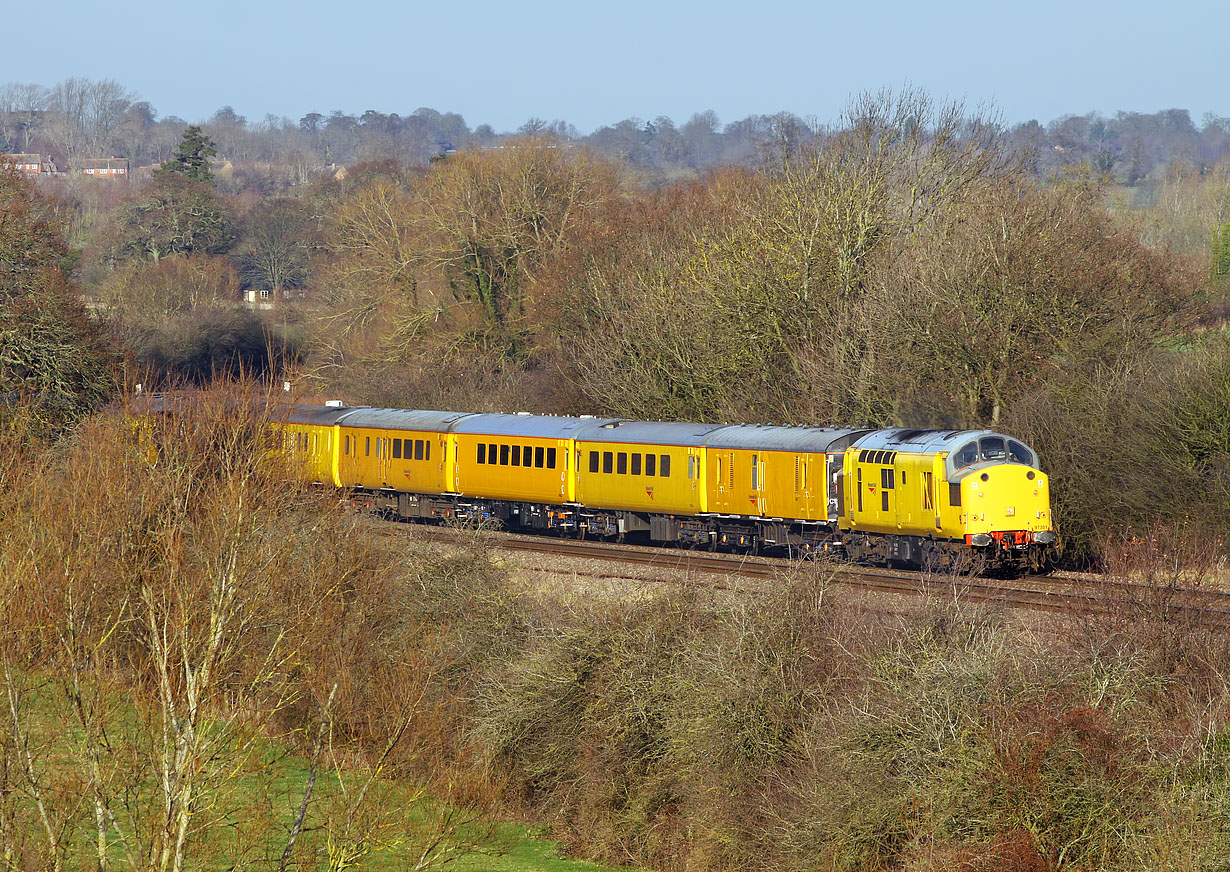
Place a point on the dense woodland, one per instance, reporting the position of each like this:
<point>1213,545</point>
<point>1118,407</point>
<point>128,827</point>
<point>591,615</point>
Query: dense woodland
<point>912,263</point>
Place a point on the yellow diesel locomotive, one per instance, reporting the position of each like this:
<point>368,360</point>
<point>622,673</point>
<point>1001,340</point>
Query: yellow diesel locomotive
<point>909,497</point>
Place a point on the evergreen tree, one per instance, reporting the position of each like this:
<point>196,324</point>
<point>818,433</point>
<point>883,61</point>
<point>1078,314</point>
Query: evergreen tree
<point>191,159</point>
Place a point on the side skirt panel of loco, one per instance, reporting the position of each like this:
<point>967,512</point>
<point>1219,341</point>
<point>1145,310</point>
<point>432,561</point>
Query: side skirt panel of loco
<point>716,533</point>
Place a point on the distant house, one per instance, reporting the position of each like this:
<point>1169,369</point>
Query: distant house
<point>30,164</point>
<point>258,298</point>
<point>106,168</point>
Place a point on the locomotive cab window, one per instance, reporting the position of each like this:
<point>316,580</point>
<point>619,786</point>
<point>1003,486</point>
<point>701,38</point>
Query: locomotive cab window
<point>1018,453</point>
<point>967,455</point>
<point>992,448</point>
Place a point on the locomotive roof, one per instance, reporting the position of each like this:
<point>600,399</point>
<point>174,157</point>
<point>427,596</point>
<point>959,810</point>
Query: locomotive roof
<point>426,420</point>
<point>777,438</point>
<point>918,441</point>
<point>648,432</point>
<point>533,426</point>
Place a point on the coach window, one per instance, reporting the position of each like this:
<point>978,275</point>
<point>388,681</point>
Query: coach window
<point>967,455</point>
<point>664,466</point>
<point>516,452</point>
<point>427,449</point>
<point>650,463</point>
<point>636,463</point>
<point>540,455</point>
<point>621,465</point>
<point>397,449</point>
<point>503,455</point>
<point>367,446</point>
<point>482,452</point>
<point>860,488</point>
<point>755,473</point>
<point>608,462</point>
<point>593,461</point>
<point>992,448</point>
<point>490,452</point>
<point>418,449</point>
<point>551,458</point>
<point>347,451</point>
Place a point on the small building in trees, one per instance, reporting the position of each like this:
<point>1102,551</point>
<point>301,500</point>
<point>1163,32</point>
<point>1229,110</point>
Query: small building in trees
<point>106,168</point>
<point>30,164</point>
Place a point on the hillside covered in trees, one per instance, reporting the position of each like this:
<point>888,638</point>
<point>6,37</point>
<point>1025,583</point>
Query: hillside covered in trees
<point>910,264</point>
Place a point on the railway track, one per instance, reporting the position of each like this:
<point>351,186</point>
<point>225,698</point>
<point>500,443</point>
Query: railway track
<point>1077,595</point>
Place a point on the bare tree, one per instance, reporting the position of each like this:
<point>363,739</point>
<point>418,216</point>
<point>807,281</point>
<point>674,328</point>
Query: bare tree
<point>85,116</point>
<point>22,110</point>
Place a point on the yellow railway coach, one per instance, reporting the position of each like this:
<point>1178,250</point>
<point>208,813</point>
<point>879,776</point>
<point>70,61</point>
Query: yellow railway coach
<point>643,477</point>
<point>784,479</point>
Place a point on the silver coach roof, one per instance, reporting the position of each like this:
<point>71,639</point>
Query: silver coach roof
<point>320,416</point>
<point>532,426</point>
<point>801,440</point>
<point>426,420</point>
<point>648,432</point>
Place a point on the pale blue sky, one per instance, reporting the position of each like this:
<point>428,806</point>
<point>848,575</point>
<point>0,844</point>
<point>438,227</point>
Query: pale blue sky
<point>594,64</point>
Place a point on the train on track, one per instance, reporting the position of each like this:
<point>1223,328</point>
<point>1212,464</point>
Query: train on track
<point>942,499</point>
